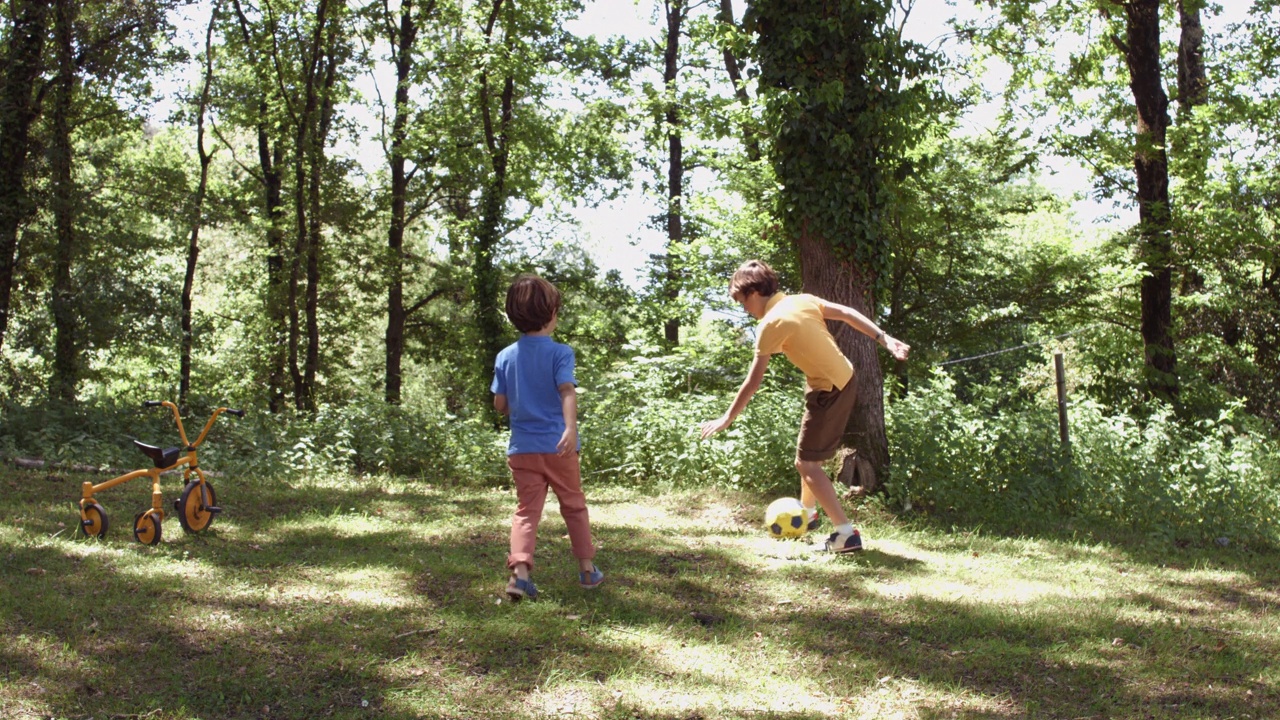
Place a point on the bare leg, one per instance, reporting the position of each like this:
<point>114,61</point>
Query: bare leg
<point>807,498</point>
<point>814,479</point>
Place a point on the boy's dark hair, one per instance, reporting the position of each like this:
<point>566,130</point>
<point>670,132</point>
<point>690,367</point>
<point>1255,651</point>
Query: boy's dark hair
<point>531,303</point>
<point>754,276</point>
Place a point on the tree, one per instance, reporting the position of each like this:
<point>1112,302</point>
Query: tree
<point>62,385</point>
<point>1141,51</point>
<point>110,44</point>
<point>22,58</point>
<point>402,41</point>
<point>676,12</point>
<point>262,99</point>
<point>293,66</point>
<point>1117,131</point>
<point>197,214</point>
<point>530,153</point>
<point>841,90</point>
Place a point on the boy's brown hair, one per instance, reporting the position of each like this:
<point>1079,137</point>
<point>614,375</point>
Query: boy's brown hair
<point>531,303</point>
<point>754,276</point>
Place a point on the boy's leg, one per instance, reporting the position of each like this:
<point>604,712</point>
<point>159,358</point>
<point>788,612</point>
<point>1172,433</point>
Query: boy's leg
<point>814,479</point>
<point>565,476</point>
<point>826,413</point>
<point>529,474</point>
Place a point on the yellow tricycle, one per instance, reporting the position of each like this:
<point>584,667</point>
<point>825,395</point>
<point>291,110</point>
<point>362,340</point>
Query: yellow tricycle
<point>196,506</point>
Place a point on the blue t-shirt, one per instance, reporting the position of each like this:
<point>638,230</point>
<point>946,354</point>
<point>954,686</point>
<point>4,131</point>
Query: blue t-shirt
<point>530,372</point>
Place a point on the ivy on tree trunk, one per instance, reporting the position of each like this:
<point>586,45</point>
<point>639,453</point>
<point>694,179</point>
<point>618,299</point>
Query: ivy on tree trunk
<point>830,75</point>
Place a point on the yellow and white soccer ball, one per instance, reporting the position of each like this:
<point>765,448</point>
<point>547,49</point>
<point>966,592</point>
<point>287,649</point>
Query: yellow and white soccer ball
<point>786,518</point>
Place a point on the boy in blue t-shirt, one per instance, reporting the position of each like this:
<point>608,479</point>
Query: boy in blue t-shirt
<point>533,383</point>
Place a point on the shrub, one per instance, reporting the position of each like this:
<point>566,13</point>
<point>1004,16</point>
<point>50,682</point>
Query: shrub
<point>640,424</point>
<point>1004,467</point>
<point>366,436</point>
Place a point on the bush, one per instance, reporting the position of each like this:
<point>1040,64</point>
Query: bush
<point>1004,467</point>
<point>640,424</point>
<point>362,437</point>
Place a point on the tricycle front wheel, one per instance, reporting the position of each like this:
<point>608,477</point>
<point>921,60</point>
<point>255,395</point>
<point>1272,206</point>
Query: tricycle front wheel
<point>197,506</point>
<point>146,527</point>
<point>93,520</point>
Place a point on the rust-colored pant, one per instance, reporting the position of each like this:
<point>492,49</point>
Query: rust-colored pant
<point>533,474</point>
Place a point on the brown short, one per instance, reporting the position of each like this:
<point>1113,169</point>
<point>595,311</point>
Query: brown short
<point>826,412</point>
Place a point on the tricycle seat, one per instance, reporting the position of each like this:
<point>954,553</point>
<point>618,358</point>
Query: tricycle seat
<point>162,457</point>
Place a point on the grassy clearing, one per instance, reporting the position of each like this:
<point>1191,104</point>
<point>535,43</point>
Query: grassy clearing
<point>380,598</point>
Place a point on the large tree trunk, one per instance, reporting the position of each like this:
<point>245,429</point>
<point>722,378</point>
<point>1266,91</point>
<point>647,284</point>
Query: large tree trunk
<point>197,217</point>
<point>1142,54</point>
<point>18,109</point>
<point>65,379</point>
<point>403,43</point>
<point>826,275</point>
<point>675,167</point>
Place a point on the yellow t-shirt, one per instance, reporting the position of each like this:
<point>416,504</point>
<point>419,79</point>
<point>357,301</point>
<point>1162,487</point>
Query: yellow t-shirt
<point>793,325</point>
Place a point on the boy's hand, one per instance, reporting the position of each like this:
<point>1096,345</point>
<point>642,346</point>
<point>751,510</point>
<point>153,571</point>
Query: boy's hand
<point>568,442</point>
<point>898,349</point>
<point>711,427</point>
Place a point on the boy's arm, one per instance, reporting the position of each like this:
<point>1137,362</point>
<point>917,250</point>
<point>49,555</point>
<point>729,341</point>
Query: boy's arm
<point>569,406</point>
<point>500,403</point>
<point>859,322</point>
<point>755,375</point>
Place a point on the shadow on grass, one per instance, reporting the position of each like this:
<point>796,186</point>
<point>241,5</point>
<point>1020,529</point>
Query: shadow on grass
<point>358,602</point>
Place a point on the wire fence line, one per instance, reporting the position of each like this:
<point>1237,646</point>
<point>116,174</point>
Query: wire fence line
<point>1012,349</point>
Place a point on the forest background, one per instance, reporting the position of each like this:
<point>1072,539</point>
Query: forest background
<point>311,210</point>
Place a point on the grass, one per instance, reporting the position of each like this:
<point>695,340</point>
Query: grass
<point>380,598</point>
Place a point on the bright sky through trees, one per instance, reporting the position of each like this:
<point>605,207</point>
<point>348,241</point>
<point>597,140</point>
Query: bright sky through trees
<point>618,234</point>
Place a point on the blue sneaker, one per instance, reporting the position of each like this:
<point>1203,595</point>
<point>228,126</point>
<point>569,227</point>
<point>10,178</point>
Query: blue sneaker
<point>591,579</point>
<point>519,589</point>
<point>839,543</point>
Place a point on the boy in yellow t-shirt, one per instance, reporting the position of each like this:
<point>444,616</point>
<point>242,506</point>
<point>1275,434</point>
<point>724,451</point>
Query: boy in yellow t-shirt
<point>795,325</point>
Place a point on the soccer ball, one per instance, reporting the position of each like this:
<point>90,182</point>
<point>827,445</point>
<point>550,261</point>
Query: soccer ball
<point>785,518</point>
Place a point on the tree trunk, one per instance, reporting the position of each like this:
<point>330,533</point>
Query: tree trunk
<point>23,60</point>
<point>734,68</point>
<point>63,383</point>
<point>492,210</point>
<point>675,168</point>
<point>1193,92</point>
<point>1193,82</point>
<point>826,275</point>
<point>301,269</point>
<point>197,216</point>
<point>403,43</point>
<point>1142,55</point>
<point>277,297</point>
<point>315,235</point>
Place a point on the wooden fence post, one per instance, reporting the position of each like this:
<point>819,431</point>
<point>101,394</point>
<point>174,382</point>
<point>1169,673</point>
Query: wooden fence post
<point>1062,399</point>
